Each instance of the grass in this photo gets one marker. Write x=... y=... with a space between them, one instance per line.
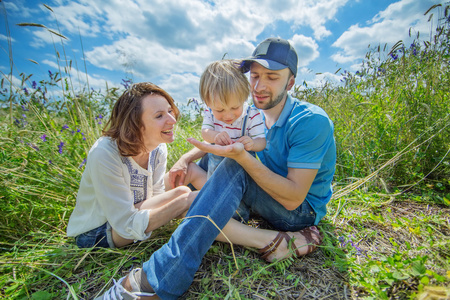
x=387 y=231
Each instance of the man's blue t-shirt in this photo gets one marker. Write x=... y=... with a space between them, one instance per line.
x=303 y=138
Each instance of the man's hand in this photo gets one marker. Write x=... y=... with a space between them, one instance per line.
x=223 y=138
x=234 y=151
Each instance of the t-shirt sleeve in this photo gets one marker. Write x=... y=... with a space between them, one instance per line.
x=114 y=196
x=208 y=119
x=255 y=124
x=309 y=142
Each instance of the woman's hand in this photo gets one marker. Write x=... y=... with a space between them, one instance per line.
x=178 y=172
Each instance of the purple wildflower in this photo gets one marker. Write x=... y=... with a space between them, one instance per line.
x=82 y=164
x=64 y=127
x=34 y=84
x=44 y=137
x=33 y=146
x=24 y=108
x=60 y=147
x=126 y=83
x=98 y=118
x=16 y=121
x=25 y=91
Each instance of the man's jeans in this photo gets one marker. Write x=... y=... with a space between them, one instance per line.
x=171 y=269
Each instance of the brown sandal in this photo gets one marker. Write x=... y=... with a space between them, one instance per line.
x=306 y=232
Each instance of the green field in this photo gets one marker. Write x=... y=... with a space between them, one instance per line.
x=387 y=231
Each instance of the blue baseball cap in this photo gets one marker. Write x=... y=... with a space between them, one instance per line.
x=273 y=54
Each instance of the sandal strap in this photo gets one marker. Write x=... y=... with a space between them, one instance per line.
x=310 y=241
x=307 y=233
x=273 y=246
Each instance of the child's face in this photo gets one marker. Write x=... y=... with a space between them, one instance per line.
x=228 y=113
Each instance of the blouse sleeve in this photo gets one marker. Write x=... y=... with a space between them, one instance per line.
x=160 y=164
x=114 y=195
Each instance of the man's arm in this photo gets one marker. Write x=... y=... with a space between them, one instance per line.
x=289 y=191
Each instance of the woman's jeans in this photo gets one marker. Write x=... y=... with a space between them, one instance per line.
x=171 y=269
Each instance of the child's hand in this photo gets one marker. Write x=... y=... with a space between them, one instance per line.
x=247 y=142
x=223 y=139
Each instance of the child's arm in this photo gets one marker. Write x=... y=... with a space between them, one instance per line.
x=208 y=135
x=257 y=144
x=216 y=137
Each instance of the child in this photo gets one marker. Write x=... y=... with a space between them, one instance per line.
x=229 y=119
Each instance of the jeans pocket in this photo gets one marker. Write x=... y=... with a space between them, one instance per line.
x=86 y=240
x=93 y=238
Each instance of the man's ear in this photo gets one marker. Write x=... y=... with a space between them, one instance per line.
x=291 y=82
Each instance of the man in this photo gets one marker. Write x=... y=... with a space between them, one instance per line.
x=289 y=186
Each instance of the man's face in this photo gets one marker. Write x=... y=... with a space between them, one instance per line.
x=269 y=87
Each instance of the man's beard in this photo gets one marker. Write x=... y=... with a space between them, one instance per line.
x=274 y=102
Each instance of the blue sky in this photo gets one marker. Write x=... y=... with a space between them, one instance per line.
x=170 y=42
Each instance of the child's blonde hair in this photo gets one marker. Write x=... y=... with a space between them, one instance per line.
x=222 y=80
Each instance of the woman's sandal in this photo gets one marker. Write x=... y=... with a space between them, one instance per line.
x=306 y=232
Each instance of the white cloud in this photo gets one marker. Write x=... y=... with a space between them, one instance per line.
x=323 y=78
x=171 y=41
x=50 y=63
x=6 y=38
x=387 y=27
x=306 y=48
x=315 y=14
x=18 y=7
x=42 y=37
x=181 y=87
x=161 y=37
x=78 y=17
x=80 y=79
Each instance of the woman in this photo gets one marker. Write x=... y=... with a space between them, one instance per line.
x=121 y=198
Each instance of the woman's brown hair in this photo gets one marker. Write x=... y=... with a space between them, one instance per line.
x=124 y=125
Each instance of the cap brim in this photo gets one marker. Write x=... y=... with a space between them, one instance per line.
x=266 y=63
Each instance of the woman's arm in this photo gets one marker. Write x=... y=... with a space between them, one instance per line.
x=177 y=174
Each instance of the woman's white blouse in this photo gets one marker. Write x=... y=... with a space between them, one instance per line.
x=110 y=186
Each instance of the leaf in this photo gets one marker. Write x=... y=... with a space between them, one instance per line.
x=418 y=268
x=399 y=276
x=425 y=280
x=41 y=295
